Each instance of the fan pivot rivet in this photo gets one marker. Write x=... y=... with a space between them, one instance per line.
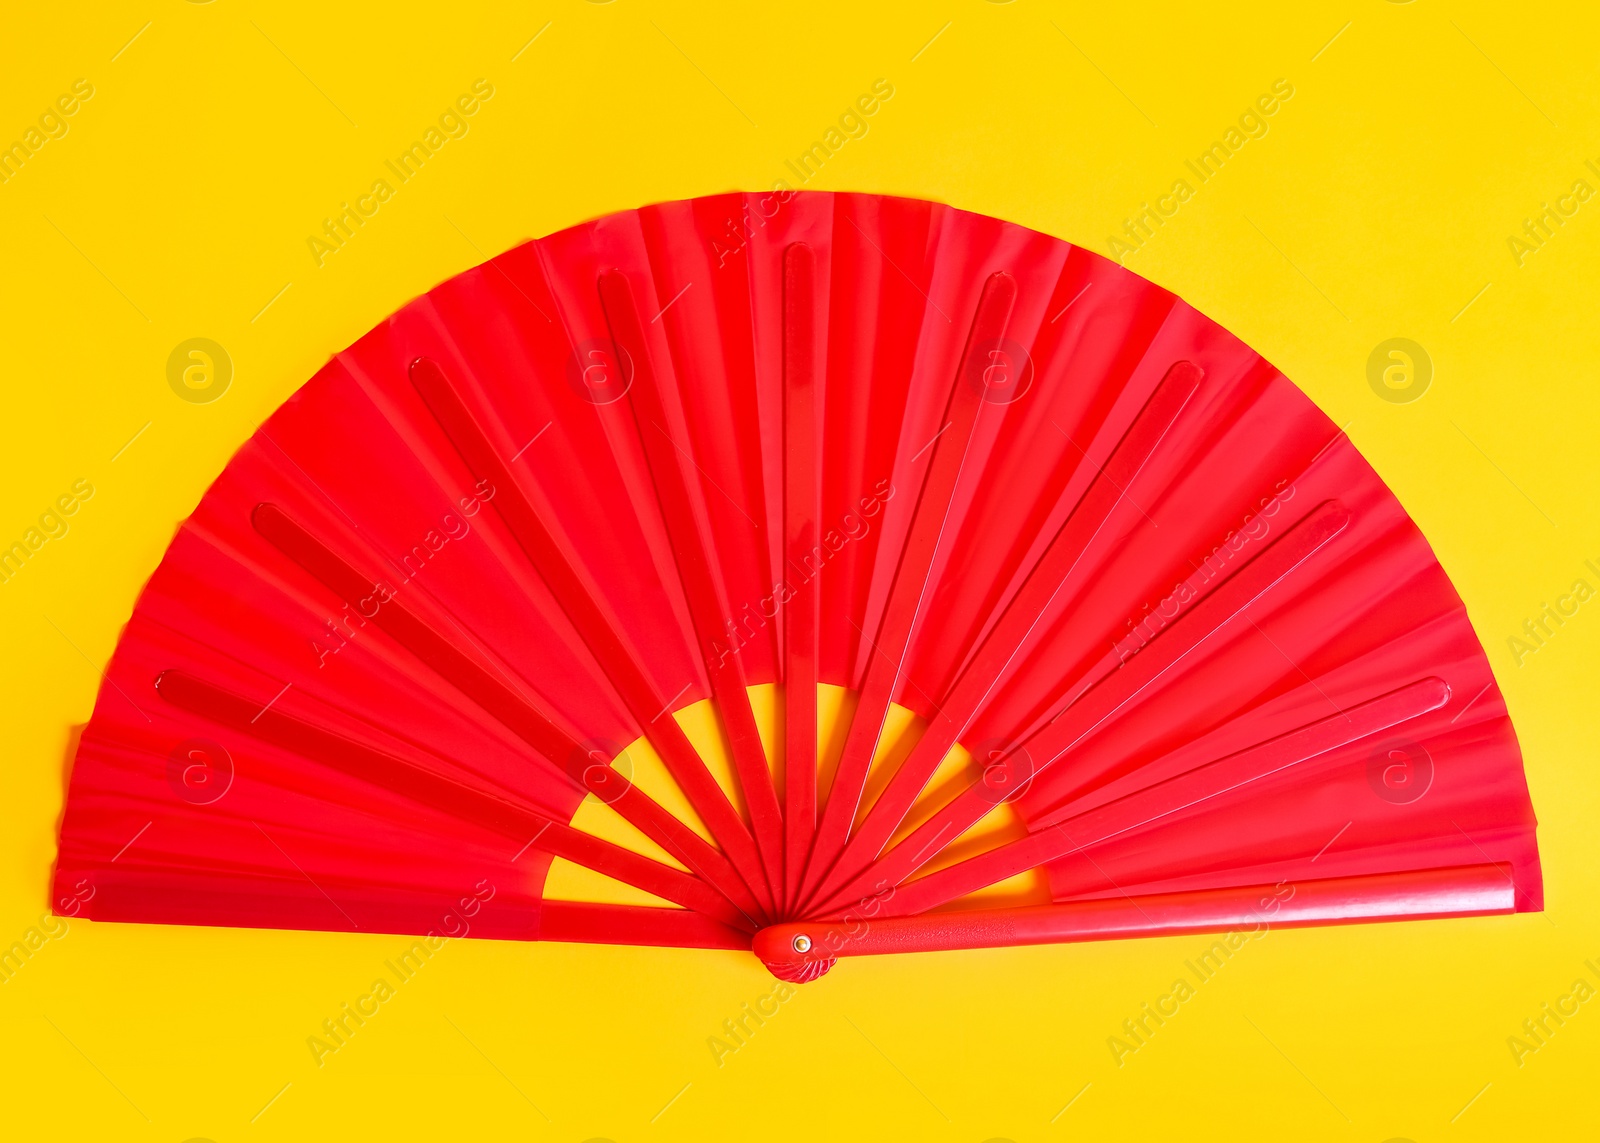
x=802 y=943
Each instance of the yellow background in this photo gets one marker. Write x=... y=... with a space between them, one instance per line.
x=1379 y=205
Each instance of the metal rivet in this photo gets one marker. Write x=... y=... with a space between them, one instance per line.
x=802 y=943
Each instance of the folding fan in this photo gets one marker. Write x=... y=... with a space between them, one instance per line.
x=819 y=574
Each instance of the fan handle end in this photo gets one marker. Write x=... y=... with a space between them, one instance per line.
x=793 y=952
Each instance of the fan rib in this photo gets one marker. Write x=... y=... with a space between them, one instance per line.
x=702 y=586
x=888 y=660
x=1456 y=891
x=1004 y=642
x=548 y=740
x=1111 y=694
x=802 y=489
x=609 y=647
x=438 y=792
x=143 y=895
x=1056 y=837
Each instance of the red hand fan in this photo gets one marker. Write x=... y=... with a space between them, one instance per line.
x=828 y=574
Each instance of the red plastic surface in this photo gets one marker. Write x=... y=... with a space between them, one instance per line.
x=802 y=554
x=806 y=949
x=1189 y=638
